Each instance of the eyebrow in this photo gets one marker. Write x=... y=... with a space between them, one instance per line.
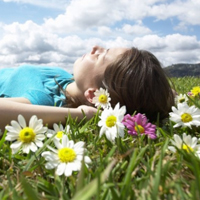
x=105 y=54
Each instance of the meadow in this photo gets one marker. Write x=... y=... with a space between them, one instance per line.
x=131 y=167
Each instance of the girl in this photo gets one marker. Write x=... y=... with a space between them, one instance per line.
x=133 y=78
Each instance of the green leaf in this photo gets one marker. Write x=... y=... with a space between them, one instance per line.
x=28 y=190
x=156 y=180
x=81 y=176
x=90 y=190
x=3 y=139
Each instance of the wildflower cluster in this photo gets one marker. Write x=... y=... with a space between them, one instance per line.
x=186 y=142
x=133 y=149
x=66 y=159
x=185 y=114
x=113 y=121
x=67 y=156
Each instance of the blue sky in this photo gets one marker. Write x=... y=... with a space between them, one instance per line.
x=57 y=32
x=21 y=12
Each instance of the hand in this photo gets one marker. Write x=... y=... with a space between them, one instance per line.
x=88 y=110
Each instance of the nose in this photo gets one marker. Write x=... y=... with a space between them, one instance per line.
x=97 y=48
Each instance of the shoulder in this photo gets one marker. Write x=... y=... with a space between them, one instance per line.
x=45 y=70
x=57 y=70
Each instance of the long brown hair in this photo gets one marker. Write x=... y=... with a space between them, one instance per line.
x=137 y=80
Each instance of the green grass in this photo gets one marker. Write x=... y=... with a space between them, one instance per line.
x=185 y=84
x=133 y=168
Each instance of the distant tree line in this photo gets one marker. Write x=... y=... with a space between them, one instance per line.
x=181 y=70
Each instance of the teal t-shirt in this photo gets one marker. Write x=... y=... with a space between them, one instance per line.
x=36 y=83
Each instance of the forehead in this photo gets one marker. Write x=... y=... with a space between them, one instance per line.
x=113 y=53
x=117 y=51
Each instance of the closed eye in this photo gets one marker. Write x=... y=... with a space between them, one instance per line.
x=98 y=54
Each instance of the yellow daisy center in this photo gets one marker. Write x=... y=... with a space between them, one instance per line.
x=186 y=117
x=111 y=121
x=181 y=100
x=66 y=155
x=195 y=91
x=139 y=129
x=103 y=98
x=59 y=134
x=187 y=148
x=27 y=135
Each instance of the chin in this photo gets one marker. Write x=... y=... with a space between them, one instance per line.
x=76 y=62
x=76 y=65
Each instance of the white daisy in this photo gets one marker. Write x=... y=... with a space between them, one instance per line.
x=188 y=144
x=111 y=122
x=28 y=137
x=59 y=130
x=66 y=158
x=101 y=98
x=185 y=115
x=181 y=98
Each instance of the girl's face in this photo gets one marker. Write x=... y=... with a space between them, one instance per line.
x=89 y=66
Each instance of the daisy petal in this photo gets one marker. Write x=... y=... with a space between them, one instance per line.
x=21 y=121
x=60 y=169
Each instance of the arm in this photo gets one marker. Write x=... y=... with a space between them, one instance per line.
x=18 y=99
x=11 y=108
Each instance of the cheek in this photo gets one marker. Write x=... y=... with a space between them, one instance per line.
x=77 y=62
x=83 y=62
x=79 y=67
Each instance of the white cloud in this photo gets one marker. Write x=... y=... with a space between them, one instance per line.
x=104 y=30
x=150 y=42
x=85 y=23
x=186 y=11
x=171 y=49
x=85 y=14
x=136 y=29
x=183 y=43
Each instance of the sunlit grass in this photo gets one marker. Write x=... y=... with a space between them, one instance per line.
x=132 y=168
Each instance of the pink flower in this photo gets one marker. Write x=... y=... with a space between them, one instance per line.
x=190 y=94
x=138 y=124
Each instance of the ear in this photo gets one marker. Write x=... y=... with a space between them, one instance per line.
x=89 y=94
